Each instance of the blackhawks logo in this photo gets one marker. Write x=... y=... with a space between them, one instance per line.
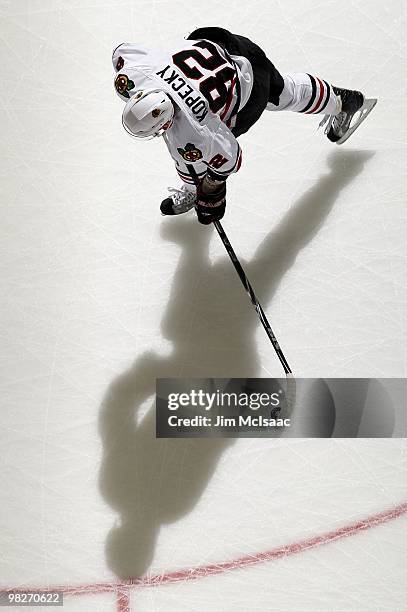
x=190 y=153
x=123 y=85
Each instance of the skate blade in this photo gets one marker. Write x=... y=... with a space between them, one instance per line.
x=367 y=107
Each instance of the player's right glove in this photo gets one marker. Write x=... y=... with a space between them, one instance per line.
x=210 y=206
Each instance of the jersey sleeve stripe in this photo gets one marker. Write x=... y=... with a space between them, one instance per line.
x=187 y=174
x=187 y=177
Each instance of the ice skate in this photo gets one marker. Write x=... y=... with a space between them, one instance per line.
x=181 y=200
x=339 y=126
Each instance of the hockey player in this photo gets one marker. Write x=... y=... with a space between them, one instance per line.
x=204 y=94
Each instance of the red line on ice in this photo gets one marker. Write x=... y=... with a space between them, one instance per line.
x=122 y=589
x=123 y=599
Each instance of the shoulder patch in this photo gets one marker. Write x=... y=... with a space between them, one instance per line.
x=191 y=153
x=123 y=85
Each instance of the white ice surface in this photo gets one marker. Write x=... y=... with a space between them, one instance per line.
x=101 y=295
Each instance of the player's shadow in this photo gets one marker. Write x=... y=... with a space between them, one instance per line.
x=211 y=324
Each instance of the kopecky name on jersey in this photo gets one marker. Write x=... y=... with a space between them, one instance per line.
x=196 y=103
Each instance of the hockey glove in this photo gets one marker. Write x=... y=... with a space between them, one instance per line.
x=210 y=206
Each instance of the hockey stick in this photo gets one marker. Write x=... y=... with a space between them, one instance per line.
x=247 y=286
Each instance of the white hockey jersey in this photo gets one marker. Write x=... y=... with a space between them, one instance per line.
x=208 y=88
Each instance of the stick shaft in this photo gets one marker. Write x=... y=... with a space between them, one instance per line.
x=250 y=292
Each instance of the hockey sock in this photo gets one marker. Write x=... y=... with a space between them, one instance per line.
x=305 y=93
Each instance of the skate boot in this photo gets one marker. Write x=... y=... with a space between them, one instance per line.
x=339 y=126
x=180 y=201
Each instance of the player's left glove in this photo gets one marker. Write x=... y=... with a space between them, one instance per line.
x=210 y=206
